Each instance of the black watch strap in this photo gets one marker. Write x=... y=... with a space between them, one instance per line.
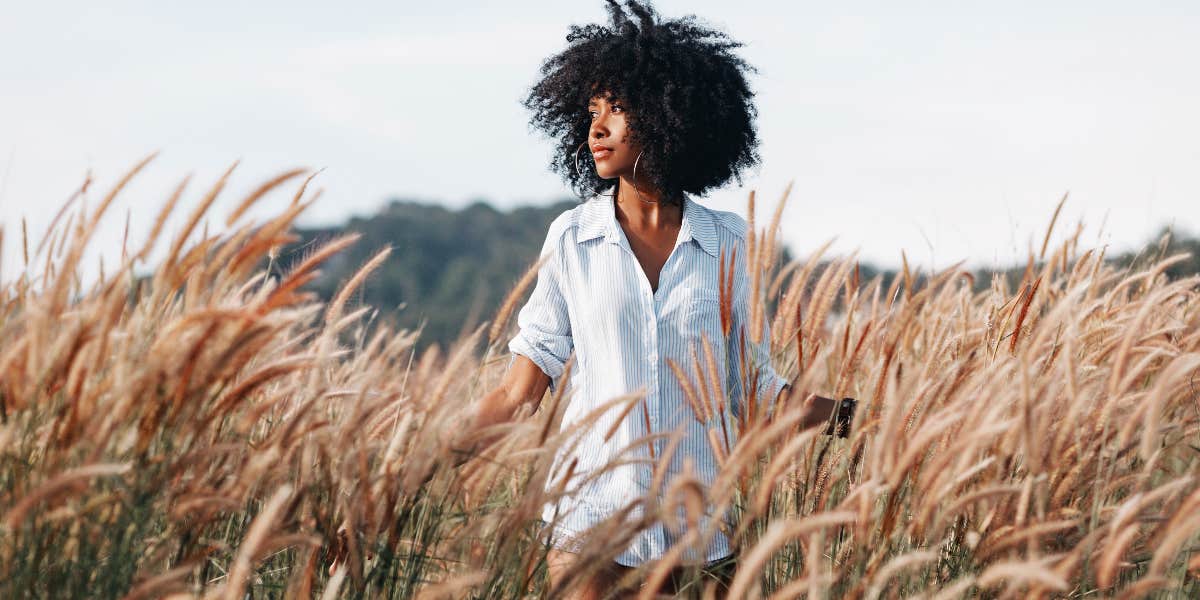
x=845 y=417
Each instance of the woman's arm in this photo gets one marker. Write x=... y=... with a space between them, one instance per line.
x=524 y=383
x=540 y=350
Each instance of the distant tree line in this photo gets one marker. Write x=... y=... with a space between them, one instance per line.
x=449 y=270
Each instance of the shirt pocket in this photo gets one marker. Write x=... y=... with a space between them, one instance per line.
x=701 y=303
x=701 y=318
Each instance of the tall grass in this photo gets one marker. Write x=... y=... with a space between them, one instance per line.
x=213 y=430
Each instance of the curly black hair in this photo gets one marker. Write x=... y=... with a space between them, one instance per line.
x=688 y=103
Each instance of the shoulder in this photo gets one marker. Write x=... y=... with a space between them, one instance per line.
x=731 y=223
x=563 y=226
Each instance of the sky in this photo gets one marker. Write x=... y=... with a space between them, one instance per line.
x=946 y=130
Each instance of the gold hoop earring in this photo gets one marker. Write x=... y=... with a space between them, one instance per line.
x=633 y=180
x=579 y=171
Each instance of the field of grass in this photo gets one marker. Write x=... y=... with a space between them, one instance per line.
x=207 y=432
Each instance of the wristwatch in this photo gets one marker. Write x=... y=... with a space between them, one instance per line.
x=844 y=418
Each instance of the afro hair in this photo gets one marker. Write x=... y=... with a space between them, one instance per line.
x=689 y=106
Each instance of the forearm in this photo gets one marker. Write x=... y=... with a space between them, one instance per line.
x=494 y=408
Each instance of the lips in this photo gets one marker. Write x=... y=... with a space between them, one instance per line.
x=599 y=151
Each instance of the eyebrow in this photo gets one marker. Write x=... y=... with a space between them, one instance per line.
x=592 y=103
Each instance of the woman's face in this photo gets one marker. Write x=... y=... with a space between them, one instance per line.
x=609 y=139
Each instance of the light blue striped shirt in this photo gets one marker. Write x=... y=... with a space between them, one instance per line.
x=593 y=299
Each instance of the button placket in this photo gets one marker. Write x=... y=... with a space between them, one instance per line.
x=652 y=322
x=652 y=356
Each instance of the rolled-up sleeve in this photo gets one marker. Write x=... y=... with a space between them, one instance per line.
x=758 y=356
x=544 y=326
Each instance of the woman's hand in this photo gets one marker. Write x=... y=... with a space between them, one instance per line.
x=838 y=415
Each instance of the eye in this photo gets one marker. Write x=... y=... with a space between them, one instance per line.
x=618 y=108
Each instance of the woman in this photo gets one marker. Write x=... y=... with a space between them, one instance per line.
x=631 y=281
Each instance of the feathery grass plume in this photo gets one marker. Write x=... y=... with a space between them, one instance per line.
x=663 y=567
x=53 y=226
x=792 y=304
x=259 y=529
x=704 y=393
x=699 y=411
x=1028 y=293
x=895 y=566
x=1014 y=572
x=752 y=258
x=1050 y=227
x=59 y=293
x=198 y=213
x=59 y=483
x=25 y=242
x=304 y=273
x=124 y=238
x=646 y=424
x=823 y=297
x=726 y=290
x=334 y=312
x=714 y=374
x=259 y=192
x=167 y=208
x=265 y=240
x=770 y=248
x=779 y=533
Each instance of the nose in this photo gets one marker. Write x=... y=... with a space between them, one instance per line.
x=599 y=127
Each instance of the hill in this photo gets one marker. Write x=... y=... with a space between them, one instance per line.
x=450 y=269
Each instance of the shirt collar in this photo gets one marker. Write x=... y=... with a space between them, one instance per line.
x=599 y=219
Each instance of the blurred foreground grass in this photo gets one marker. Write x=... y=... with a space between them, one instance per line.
x=208 y=432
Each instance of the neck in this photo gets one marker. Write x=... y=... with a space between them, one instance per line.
x=645 y=207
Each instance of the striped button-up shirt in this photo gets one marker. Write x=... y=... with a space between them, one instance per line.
x=593 y=299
